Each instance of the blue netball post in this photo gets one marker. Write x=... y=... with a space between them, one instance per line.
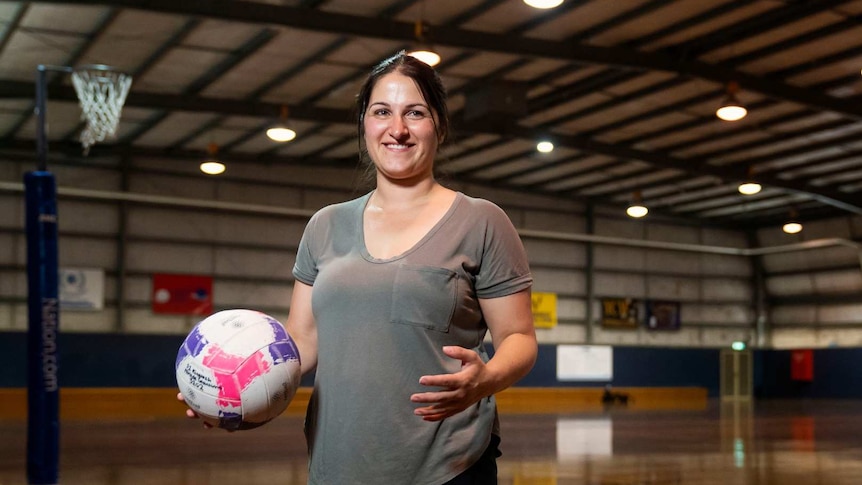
x=101 y=92
x=43 y=427
x=43 y=324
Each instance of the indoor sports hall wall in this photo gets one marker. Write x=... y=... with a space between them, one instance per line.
x=163 y=216
x=111 y=360
x=815 y=296
x=136 y=217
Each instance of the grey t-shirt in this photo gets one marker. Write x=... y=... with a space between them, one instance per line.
x=381 y=325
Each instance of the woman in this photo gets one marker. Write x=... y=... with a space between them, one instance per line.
x=405 y=282
x=394 y=294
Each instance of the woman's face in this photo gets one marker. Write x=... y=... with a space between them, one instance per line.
x=400 y=129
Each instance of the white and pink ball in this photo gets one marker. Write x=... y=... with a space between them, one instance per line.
x=238 y=369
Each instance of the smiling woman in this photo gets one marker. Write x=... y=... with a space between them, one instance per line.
x=400 y=131
x=394 y=294
x=431 y=95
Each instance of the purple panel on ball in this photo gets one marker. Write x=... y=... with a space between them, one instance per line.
x=280 y=333
x=196 y=341
x=283 y=351
x=231 y=421
x=192 y=345
x=182 y=354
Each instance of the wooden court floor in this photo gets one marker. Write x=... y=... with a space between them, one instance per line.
x=772 y=442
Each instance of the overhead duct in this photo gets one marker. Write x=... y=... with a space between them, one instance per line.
x=159 y=200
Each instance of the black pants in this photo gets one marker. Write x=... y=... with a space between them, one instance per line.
x=484 y=471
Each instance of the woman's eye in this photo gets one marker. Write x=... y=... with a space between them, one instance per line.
x=415 y=114
x=380 y=112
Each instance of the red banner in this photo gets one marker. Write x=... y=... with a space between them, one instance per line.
x=802 y=365
x=182 y=294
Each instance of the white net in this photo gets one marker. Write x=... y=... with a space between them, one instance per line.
x=101 y=93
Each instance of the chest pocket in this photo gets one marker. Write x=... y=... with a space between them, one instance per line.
x=424 y=296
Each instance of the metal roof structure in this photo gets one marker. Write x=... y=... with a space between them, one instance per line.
x=626 y=91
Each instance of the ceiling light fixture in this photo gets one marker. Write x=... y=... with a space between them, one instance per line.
x=749 y=187
x=731 y=109
x=545 y=147
x=212 y=166
x=544 y=4
x=636 y=209
x=426 y=55
x=280 y=132
x=423 y=51
x=792 y=226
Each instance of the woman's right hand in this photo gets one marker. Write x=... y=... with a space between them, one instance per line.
x=189 y=412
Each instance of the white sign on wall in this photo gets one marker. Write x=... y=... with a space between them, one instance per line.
x=585 y=363
x=577 y=438
x=82 y=289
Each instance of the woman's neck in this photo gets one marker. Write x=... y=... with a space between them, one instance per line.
x=393 y=196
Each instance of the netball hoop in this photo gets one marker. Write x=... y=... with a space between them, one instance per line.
x=102 y=93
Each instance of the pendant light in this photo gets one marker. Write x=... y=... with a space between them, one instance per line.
x=544 y=4
x=211 y=165
x=280 y=131
x=423 y=50
x=636 y=209
x=731 y=109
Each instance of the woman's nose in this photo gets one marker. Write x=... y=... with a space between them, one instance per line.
x=398 y=129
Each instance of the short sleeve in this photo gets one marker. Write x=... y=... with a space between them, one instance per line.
x=504 y=267
x=305 y=269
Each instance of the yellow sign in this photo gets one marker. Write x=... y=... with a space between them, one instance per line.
x=619 y=313
x=544 y=310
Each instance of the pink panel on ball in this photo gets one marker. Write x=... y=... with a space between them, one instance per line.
x=220 y=361
x=253 y=367
x=231 y=384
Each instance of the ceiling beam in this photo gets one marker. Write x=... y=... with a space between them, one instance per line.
x=72 y=150
x=843 y=201
x=375 y=27
x=847 y=202
x=252 y=45
x=10 y=89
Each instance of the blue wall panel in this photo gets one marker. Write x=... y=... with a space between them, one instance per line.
x=98 y=360
x=112 y=360
x=835 y=375
x=639 y=367
x=667 y=367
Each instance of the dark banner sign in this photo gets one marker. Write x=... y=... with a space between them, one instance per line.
x=662 y=315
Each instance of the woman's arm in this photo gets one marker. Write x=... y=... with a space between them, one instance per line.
x=301 y=325
x=510 y=322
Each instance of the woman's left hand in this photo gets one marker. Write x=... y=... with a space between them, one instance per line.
x=458 y=391
x=510 y=322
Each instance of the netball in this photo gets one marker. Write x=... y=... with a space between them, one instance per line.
x=238 y=369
